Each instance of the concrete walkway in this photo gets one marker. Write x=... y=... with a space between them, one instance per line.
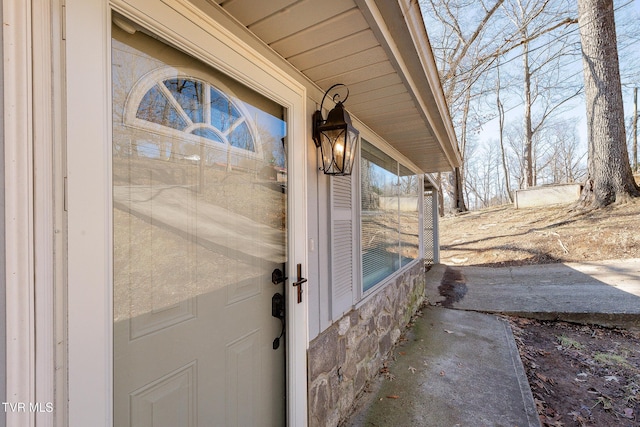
x=599 y=292
x=460 y=366
x=455 y=369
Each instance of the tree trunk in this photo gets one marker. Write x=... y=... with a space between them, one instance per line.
x=505 y=167
x=528 y=131
x=459 y=204
x=635 y=129
x=609 y=177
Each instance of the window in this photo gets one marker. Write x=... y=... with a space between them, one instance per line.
x=192 y=115
x=389 y=215
x=389 y=220
x=198 y=108
x=408 y=215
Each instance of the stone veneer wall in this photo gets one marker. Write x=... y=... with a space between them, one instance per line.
x=344 y=357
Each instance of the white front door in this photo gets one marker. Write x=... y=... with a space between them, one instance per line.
x=180 y=209
x=199 y=225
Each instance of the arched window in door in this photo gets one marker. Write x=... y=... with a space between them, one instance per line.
x=199 y=116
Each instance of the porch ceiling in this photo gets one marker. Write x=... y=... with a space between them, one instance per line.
x=380 y=50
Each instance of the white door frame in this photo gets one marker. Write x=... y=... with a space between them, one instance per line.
x=33 y=212
x=19 y=193
x=89 y=180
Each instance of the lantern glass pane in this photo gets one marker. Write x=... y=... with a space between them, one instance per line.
x=352 y=143
x=339 y=143
x=325 y=149
x=332 y=146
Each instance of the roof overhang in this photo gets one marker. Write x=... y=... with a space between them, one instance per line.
x=380 y=50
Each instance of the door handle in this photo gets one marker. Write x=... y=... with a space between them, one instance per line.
x=277 y=306
x=277 y=277
x=299 y=283
x=277 y=310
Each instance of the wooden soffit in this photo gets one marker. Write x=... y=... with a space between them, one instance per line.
x=380 y=50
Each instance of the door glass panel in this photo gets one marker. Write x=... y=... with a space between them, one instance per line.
x=189 y=94
x=156 y=108
x=199 y=225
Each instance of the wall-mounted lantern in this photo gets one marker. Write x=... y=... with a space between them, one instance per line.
x=336 y=137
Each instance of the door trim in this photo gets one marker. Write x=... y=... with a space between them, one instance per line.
x=89 y=212
x=33 y=220
x=88 y=280
x=18 y=209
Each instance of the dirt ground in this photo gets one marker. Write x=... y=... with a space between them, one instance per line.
x=579 y=375
x=504 y=236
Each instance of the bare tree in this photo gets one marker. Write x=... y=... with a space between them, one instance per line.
x=471 y=39
x=540 y=21
x=464 y=51
x=628 y=38
x=634 y=138
x=514 y=139
x=565 y=157
x=609 y=177
x=484 y=184
x=500 y=108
